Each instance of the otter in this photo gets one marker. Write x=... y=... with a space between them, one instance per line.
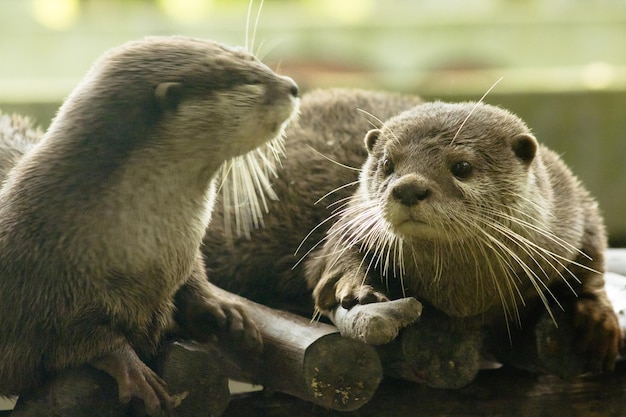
x=456 y=205
x=459 y=206
x=267 y=271
x=102 y=220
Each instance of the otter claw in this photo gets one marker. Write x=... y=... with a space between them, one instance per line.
x=135 y=379
x=364 y=294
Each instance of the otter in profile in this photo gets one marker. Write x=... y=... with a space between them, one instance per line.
x=102 y=220
x=459 y=206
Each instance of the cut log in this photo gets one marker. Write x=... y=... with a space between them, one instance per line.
x=494 y=393
x=195 y=380
x=309 y=360
x=195 y=377
x=376 y=323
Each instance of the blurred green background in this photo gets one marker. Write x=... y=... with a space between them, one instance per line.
x=563 y=62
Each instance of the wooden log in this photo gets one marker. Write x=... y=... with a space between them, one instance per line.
x=440 y=355
x=309 y=360
x=435 y=352
x=77 y=392
x=503 y=392
x=376 y=323
x=195 y=379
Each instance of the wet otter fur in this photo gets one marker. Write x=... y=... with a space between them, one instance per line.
x=101 y=221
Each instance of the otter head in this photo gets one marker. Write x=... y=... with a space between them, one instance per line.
x=199 y=101
x=439 y=171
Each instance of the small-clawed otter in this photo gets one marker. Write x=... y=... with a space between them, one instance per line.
x=459 y=206
x=101 y=222
x=463 y=211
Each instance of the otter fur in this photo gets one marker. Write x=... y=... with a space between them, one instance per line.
x=457 y=205
x=102 y=220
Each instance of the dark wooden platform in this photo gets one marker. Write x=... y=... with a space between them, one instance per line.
x=502 y=392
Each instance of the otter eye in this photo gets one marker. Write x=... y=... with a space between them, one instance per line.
x=462 y=170
x=387 y=166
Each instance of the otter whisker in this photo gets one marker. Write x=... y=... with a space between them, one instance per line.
x=478 y=251
x=247 y=45
x=534 y=279
x=342 y=202
x=326 y=220
x=332 y=160
x=377 y=246
x=532 y=250
x=556 y=240
x=474 y=109
x=350 y=184
x=249 y=42
x=544 y=232
x=379 y=121
x=256 y=24
x=512 y=288
x=357 y=213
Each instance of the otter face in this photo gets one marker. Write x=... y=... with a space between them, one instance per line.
x=437 y=174
x=197 y=99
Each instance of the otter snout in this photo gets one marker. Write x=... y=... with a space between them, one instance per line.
x=279 y=87
x=292 y=86
x=411 y=191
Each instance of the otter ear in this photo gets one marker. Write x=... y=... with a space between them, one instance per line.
x=168 y=95
x=370 y=139
x=525 y=147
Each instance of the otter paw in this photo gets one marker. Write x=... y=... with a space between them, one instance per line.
x=135 y=380
x=598 y=334
x=364 y=294
x=234 y=321
x=586 y=338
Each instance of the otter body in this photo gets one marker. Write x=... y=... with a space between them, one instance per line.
x=101 y=222
x=329 y=123
x=456 y=205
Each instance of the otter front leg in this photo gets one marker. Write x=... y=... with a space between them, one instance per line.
x=357 y=308
x=202 y=314
x=346 y=289
x=135 y=379
x=588 y=336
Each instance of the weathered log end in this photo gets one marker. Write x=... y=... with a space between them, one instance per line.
x=195 y=379
x=341 y=374
x=376 y=323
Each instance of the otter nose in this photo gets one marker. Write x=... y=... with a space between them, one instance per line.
x=294 y=89
x=410 y=193
x=292 y=86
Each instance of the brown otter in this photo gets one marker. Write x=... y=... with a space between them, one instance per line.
x=101 y=222
x=327 y=129
x=460 y=207
x=509 y=223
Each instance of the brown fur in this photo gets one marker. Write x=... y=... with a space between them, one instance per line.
x=18 y=134
x=101 y=222
x=328 y=129
x=454 y=252
x=436 y=269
